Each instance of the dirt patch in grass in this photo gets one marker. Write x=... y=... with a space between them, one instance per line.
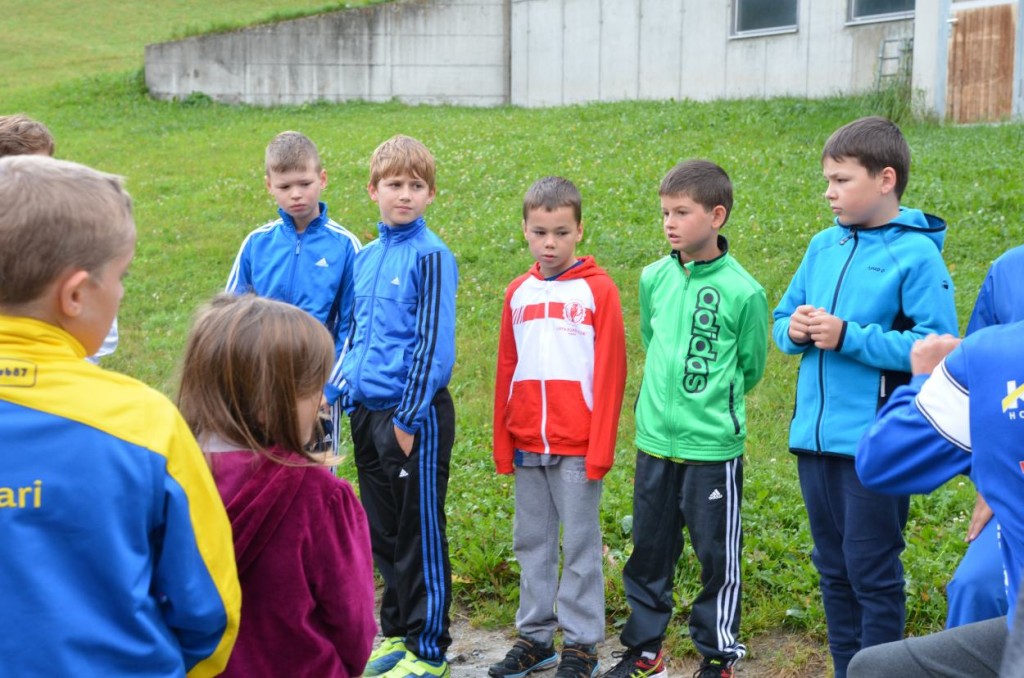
x=778 y=654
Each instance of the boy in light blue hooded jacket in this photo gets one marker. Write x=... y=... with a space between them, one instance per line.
x=867 y=288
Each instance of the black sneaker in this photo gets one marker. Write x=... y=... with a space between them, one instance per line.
x=632 y=664
x=714 y=668
x=525 y=657
x=578 y=661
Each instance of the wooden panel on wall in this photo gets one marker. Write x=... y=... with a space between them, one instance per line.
x=981 y=56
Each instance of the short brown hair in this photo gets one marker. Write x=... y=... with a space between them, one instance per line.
x=402 y=155
x=702 y=181
x=551 y=193
x=291 y=152
x=248 y=361
x=876 y=143
x=57 y=215
x=21 y=135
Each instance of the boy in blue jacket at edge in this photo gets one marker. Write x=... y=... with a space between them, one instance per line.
x=393 y=382
x=117 y=550
x=867 y=288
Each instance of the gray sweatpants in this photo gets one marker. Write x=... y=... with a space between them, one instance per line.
x=1013 y=655
x=548 y=497
x=969 y=651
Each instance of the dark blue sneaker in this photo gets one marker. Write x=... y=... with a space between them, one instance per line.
x=524 y=658
x=578 y=661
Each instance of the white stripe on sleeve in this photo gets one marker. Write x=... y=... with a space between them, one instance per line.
x=944 y=402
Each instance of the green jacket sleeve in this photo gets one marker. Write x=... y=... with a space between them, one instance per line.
x=752 y=346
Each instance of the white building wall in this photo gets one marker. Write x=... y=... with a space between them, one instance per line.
x=587 y=50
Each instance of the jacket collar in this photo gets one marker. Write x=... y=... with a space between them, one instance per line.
x=320 y=220
x=707 y=265
x=28 y=336
x=400 y=233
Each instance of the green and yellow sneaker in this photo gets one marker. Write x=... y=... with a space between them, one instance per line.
x=412 y=666
x=385 y=657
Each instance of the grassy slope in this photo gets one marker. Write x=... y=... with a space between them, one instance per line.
x=195 y=171
x=57 y=39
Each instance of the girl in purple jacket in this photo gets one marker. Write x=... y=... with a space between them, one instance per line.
x=251 y=386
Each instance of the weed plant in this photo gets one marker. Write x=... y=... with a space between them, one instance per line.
x=195 y=171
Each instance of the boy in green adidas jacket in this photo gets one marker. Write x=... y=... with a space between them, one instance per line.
x=704 y=323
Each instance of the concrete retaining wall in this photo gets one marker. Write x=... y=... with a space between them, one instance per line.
x=418 y=51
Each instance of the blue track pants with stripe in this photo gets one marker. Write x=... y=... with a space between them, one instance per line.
x=404 y=499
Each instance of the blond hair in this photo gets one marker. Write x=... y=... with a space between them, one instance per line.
x=402 y=155
x=57 y=216
x=21 y=135
x=291 y=152
x=248 y=361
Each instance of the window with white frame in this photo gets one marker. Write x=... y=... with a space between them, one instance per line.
x=866 y=10
x=763 y=16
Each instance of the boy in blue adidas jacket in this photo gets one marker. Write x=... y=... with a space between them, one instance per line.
x=393 y=381
x=117 y=550
x=867 y=288
x=303 y=258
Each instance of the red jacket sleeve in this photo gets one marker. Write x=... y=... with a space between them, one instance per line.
x=507 y=359
x=609 y=376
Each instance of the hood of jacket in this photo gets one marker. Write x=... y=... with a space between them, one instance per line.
x=260 y=503
x=585 y=267
x=909 y=220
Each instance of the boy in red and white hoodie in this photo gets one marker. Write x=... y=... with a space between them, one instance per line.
x=557 y=396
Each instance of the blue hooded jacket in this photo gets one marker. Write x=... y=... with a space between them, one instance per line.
x=402 y=347
x=999 y=301
x=890 y=286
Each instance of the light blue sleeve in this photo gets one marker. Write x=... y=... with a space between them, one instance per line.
x=796 y=295
x=341 y=330
x=240 y=276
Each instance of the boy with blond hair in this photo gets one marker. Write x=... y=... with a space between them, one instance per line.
x=21 y=135
x=704 y=323
x=118 y=556
x=393 y=382
x=557 y=397
x=867 y=288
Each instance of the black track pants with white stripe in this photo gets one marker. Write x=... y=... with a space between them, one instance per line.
x=705 y=499
x=404 y=499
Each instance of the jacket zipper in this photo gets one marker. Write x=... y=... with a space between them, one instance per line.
x=373 y=305
x=821 y=354
x=544 y=370
x=291 y=277
x=732 y=409
x=676 y=383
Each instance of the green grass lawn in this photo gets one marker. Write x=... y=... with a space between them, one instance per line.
x=195 y=171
